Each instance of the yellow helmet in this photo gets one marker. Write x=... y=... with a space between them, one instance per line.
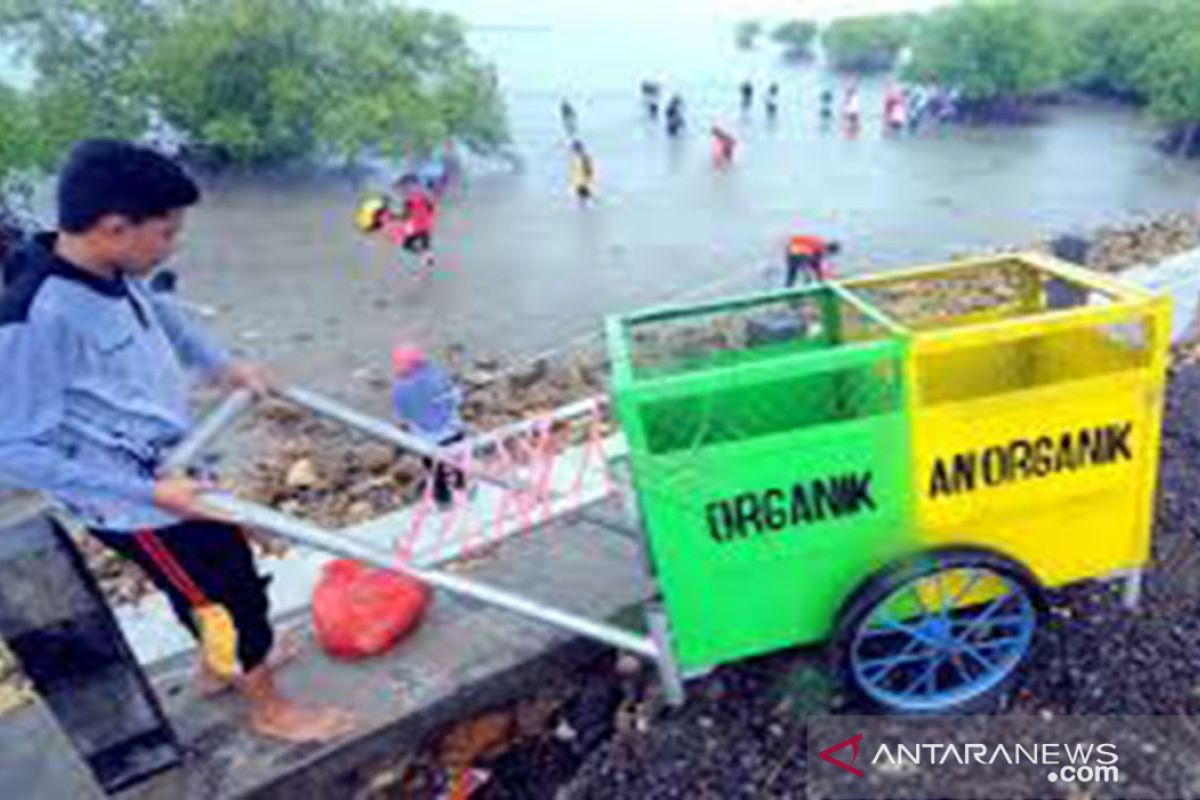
x=368 y=218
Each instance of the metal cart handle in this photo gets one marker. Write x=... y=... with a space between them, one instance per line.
x=306 y=534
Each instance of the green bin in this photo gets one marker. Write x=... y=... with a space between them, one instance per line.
x=769 y=448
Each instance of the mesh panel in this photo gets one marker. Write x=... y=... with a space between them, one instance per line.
x=1005 y=289
x=783 y=391
x=994 y=368
x=742 y=410
x=672 y=344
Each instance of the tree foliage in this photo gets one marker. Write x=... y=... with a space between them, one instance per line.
x=19 y=146
x=747 y=33
x=997 y=51
x=263 y=81
x=990 y=50
x=796 y=37
x=1170 y=76
x=1145 y=52
x=867 y=44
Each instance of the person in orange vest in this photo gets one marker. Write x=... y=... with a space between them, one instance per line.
x=807 y=254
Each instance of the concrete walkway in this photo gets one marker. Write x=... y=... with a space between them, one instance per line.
x=463 y=659
x=37 y=761
x=577 y=480
x=1178 y=277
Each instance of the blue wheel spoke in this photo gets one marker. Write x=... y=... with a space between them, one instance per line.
x=885 y=608
x=995 y=643
x=883 y=616
x=914 y=633
x=963 y=678
x=970 y=585
x=941 y=594
x=977 y=632
x=975 y=654
x=1001 y=645
x=924 y=677
x=991 y=609
x=902 y=662
x=931 y=674
x=889 y=662
x=914 y=590
x=905 y=651
x=992 y=622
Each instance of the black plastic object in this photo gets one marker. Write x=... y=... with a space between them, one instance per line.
x=1070 y=247
x=774 y=328
x=59 y=627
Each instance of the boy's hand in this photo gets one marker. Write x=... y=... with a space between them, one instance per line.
x=181 y=496
x=248 y=375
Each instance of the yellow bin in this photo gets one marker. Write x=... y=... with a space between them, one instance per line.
x=1036 y=402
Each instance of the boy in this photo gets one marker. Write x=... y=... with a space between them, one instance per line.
x=95 y=395
x=425 y=399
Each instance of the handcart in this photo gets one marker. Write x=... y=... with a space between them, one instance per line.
x=895 y=465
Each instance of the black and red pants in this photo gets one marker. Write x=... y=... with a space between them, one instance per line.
x=201 y=562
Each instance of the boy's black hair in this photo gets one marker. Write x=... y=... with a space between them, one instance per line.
x=107 y=176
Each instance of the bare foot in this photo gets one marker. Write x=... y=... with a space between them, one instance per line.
x=209 y=684
x=280 y=719
x=287 y=649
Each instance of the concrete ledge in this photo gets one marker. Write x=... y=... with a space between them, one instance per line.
x=37 y=761
x=464 y=658
x=432 y=537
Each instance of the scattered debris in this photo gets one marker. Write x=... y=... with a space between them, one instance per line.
x=483 y=737
x=14 y=689
x=1115 y=248
x=564 y=732
x=628 y=665
x=302 y=475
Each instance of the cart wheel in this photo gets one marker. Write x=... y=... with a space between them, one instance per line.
x=945 y=631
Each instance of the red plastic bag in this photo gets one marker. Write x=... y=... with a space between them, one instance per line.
x=360 y=611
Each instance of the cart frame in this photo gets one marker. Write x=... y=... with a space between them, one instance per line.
x=654 y=646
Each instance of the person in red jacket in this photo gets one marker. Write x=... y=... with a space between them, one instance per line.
x=807 y=254
x=413 y=228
